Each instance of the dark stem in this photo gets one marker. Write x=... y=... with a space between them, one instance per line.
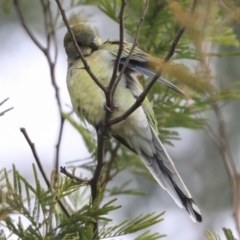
x=94 y=182
x=22 y=21
x=109 y=99
x=72 y=176
x=132 y=48
x=38 y=161
x=229 y=162
x=108 y=176
x=50 y=35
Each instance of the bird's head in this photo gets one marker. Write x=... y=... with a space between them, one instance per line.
x=86 y=39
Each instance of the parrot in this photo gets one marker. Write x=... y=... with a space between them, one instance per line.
x=138 y=132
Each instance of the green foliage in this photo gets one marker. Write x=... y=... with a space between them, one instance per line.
x=214 y=236
x=228 y=234
x=6 y=6
x=135 y=225
x=45 y=219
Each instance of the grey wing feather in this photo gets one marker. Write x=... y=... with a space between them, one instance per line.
x=150 y=72
x=140 y=62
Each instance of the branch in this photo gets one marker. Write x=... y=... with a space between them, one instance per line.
x=3 y=112
x=222 y=143
x=231 y=167
x=50 y=35
x=109 y=99
x=38 y=161
x=70 y=175
x=86 y=66
x=179 y=34
x=30 y=34
x=132 y=48
x=143 y=95
x=108 y=176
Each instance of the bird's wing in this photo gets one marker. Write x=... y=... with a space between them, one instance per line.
x=139 y=62
x=141 y=138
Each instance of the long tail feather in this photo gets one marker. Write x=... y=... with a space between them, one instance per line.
x=164 y=171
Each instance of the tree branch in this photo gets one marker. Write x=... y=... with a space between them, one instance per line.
x=121 y=44
x=38 y=161
x=108 y=176
x=22 y=21
x=109 y=97
x=132 y=48
x=50 y=35
x=222 y=143
x=231 y=167
x=70 y=175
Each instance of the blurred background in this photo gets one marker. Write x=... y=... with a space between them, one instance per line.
x=25 y=80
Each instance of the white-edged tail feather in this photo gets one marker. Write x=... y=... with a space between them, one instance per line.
x=164 y=171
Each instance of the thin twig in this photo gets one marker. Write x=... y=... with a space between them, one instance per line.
x=108 y=176
x=6 y=99
x=58 y=145
x=38 y=161
x=100 y=163
x=70 y=175
x=213 y=135
x=230 y=164
x=86 y=66
x=5 y=111
x=30 y=34
x=132 y=48
x=50 y=35
x=109 y=99
x=34 y=152
x=94 y=182
x=143 y=95
x=52 y=65
x=222 y=143
x=179 y=34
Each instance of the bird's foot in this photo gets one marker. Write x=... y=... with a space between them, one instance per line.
x=106 y=108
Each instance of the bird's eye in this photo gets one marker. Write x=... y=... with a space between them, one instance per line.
x=79 y=44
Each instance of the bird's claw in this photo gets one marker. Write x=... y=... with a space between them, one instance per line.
x=106 y=108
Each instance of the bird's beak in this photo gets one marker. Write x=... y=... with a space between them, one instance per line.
x=95 y=44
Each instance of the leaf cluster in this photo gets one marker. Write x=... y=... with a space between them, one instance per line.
x=39 y=216
x=214 y=236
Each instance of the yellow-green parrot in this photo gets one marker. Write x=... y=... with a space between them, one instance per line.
x=138 y=132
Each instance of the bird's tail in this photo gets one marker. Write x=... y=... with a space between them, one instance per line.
x=164 y=171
